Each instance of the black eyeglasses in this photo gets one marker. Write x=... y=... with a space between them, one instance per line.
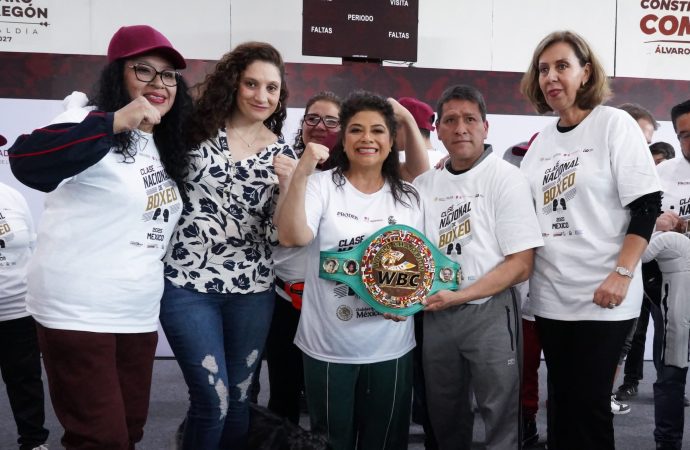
x=328 y=121
x=147 y=73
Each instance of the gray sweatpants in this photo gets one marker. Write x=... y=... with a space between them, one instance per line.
x=478 y=346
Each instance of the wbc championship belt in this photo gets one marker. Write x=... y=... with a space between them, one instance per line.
x=393 y=270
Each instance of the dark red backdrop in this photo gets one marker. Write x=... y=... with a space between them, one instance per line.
x=53 y=76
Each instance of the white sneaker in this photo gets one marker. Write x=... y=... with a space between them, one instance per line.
x=618 y=407
x=41 y=447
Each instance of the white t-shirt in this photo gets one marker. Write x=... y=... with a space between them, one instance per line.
x=289 y=265
x=581 y=181
x=675 y=179
x=17 y=239
x=478 y=217
x=336 y=325
x=103 y=233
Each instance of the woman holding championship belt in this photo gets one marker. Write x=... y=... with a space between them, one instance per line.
x=597 y=196
x=358 y=366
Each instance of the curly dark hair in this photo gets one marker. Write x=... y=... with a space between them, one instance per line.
x=217 y=100
x=326 y=96
x=367 y=101
x=110 y=94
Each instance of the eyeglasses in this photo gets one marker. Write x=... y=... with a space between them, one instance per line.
x=147 y=73
x=684 y=136
x=328 y=121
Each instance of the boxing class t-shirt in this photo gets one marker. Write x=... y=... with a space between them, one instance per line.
x=103 y=233
x=581 y=181
x=336 y=325
x=480 y=216
x=17 y=239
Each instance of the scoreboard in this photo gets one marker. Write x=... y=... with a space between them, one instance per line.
x=371 y=29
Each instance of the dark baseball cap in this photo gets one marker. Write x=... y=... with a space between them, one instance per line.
x=138 y=39
x=423 y=114
x=522 y=147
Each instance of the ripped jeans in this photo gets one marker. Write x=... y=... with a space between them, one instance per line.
x=217 y=340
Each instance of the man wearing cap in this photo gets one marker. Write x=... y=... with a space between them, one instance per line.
x=424 y=117
x=478 y=210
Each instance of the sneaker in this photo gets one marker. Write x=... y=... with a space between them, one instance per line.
x=626 y=392
x=41 y=447
x=618 y=407
x=529 y=432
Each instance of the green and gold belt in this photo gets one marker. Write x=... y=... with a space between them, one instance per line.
x=393 y=270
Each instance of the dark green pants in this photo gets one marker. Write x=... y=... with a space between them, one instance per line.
x=363 y=406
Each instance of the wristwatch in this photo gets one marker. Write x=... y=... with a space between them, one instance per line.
x=620 y=270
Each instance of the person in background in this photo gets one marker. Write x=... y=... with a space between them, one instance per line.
x=95 y=280
x=20 y=358
x=424 y=118
x=661 y=151
x=478 y=211
x=633 y=348
x=357 y=364
x=218 y=297
x=531 y=347
x=670 y=334
x=644 y=118
x=586 y=288
x=320 y=125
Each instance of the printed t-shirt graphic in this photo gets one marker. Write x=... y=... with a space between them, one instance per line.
x=455 y=227
x=336 y=325
x=597 y=169
x=675 y=179
x=559 y=187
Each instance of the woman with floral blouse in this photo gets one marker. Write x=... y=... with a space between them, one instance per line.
x=218 y=300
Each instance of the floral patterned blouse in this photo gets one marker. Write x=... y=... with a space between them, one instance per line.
x=224 y=238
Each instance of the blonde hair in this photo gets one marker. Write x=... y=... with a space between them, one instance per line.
x=595 y=92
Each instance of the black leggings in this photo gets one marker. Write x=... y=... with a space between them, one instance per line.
x=581 y=359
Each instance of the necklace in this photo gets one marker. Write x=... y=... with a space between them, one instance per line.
x=248 y=144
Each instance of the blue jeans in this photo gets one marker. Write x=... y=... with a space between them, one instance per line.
x=217 y=340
